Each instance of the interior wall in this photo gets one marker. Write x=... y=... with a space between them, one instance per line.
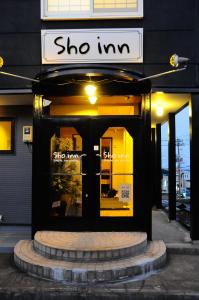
x=91 y=110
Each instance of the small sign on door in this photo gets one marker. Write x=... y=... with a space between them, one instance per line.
x=125 y=192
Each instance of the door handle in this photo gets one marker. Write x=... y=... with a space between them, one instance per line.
x=99 y=173
x=81 y=157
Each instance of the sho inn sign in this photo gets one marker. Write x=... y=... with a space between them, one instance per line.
x=92 y=46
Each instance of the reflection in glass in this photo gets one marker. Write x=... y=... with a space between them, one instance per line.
x=66 y=179
x=116 y=176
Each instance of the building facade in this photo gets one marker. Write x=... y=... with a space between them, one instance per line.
x=52 y=42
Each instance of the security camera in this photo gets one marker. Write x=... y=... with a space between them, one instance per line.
x=176 y=60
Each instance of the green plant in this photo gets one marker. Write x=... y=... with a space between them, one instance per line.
x=64 y=182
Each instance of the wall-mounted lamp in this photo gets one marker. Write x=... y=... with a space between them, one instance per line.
x=1 y=62
x=2 y=219
x=176 y=60
x=159 y=111
x=46 y=102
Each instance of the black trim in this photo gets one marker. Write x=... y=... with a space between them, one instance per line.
x=114 y=80
x=172 y=167
x=158 y=196
x=91 y=129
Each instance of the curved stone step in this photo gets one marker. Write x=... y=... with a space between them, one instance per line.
x=35 y=264
x=89 y=246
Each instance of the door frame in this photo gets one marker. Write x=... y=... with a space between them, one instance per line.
x=91 y=220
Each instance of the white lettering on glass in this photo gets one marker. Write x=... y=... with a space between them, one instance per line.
x=58 y=156
x=115 y=156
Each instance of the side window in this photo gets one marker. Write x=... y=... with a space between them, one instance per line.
x=91 y=9
x=7 y=135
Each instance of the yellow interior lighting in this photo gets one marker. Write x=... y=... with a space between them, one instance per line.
x=92 y=99
x=5 y=135
x=159 y=111
x=90 y=90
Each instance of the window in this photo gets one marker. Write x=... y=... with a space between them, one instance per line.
x=66 y=173
x=116 y=176
x=88 y=9
x=6 y=135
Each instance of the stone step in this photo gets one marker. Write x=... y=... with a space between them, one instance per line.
x=89 y=246
x=28 y=260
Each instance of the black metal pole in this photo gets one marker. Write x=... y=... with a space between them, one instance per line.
x=153 y=166
x=147 y=180
x=158 y=170
x=172 y=167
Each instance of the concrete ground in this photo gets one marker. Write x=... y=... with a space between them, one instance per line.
x=170 y=232
x=10 y=235
x=178 y=280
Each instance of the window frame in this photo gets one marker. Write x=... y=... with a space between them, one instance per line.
x=12 y=120
x=45 y=15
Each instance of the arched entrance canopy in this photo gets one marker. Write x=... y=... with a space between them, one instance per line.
x=68 y=80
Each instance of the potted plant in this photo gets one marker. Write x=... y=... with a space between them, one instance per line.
x=66 y=187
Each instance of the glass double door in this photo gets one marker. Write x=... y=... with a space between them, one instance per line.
x=87 y=166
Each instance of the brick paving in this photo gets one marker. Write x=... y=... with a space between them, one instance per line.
x=90 y=246
x=90 y=264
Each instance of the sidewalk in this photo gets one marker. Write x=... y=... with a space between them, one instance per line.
x=178 y=280
x=175 y=236
x=172 y=233
x=10 y=235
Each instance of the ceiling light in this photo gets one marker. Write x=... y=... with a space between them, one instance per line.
x=92 y=99
x=159 y=111
x=90 y=89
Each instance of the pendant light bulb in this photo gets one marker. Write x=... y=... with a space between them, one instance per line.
x=92 y=99
x=90 y=89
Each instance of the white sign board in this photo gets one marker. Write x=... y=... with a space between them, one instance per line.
x=92 y=46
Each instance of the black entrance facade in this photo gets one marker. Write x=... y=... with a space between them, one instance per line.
x=91 y=173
